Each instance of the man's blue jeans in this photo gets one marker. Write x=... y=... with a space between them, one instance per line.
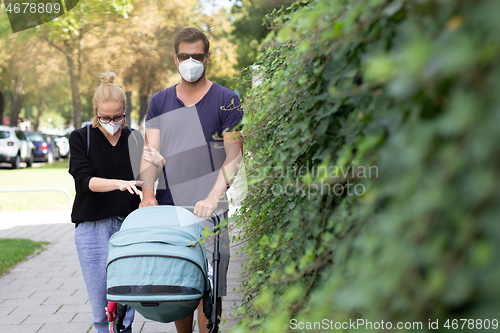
x=91 y=239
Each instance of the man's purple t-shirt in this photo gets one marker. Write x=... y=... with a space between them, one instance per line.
x=191 y=141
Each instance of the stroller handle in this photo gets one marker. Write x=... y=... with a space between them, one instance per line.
x=212 y=321
x=215 y=217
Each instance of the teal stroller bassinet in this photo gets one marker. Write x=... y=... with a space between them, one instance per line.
x=157 y=266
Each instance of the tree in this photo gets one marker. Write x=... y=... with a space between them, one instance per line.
x=15 y=51
x=223 y=62
x=67 y=35
x=15 y=55
x=2 y=105
x=31 y=69
x=251 y=24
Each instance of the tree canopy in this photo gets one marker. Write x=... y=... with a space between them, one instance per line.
x=132 y=39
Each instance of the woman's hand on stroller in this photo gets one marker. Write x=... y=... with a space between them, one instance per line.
x=205 y=208
x=129 y=185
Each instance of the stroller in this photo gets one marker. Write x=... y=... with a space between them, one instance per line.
x=157 y=266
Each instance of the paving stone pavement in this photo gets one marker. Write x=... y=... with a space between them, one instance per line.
x=47 y=294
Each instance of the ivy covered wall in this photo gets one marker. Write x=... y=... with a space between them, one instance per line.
x=373 y=158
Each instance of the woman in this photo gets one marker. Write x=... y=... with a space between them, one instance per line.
x=106 y=191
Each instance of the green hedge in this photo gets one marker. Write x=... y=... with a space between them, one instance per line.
x=373 y=155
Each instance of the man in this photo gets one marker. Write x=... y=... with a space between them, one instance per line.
x=192 y=135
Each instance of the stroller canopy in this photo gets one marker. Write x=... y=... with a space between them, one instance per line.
x=156 y=263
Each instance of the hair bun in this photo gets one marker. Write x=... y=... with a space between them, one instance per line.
x=107 y=78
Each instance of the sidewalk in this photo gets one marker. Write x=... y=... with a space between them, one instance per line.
x=46 y=293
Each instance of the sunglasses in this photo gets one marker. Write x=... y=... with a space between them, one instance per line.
x=106 y=120
x=196 y=56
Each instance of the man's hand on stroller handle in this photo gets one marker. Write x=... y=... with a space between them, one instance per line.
x=148 y=198
x=205 y=208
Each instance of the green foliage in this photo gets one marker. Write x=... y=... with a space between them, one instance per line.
x=4 y=22
x=252 y=21
x=14 y=250
x=248 y=30
x=373 y=158
x=85 y=16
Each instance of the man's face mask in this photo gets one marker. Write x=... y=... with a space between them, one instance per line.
x=190 y=69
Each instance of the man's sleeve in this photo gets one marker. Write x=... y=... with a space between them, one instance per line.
x=232 y=114
x=152 y=119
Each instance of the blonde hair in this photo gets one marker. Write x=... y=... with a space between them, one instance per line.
x=108 y=92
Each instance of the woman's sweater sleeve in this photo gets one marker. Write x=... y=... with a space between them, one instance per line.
x=79 y=163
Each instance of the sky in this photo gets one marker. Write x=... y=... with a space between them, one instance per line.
x=212 y=5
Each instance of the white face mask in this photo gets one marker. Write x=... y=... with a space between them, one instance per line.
x=191 y=70
x=112 y=128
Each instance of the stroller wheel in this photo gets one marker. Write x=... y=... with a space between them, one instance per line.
x=116 y=329
x=117 y=325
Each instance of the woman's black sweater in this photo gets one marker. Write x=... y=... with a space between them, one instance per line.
x=104 y=161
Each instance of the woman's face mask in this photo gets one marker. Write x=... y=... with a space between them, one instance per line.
x=112 y=128
x=191 y=70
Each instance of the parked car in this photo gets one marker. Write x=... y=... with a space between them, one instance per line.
x=85 y=123
x=45 y=149
x=15 y=147
x=62 y=143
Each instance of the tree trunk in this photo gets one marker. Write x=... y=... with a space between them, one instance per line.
x=128 y=117
x=75 y=91
x=41 y=107
x=143 y=107
x=16 y=101
x=2 y=106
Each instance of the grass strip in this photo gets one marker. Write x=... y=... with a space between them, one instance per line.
x=40 y=175
x=15 y=250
